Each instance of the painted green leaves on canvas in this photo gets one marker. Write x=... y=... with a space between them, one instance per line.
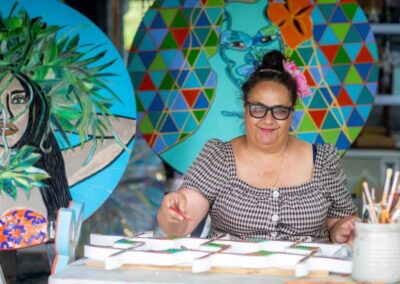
x=20 y=172
x=72 y=76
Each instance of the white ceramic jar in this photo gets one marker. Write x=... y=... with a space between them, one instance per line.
x=376 y=252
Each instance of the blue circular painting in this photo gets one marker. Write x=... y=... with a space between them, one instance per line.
x=189 y=58
x=68 y=116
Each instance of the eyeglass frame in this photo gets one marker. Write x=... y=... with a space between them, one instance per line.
x=267 y=109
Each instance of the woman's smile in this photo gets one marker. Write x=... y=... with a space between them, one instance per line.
x=267 y=129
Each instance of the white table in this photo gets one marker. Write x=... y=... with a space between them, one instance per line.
x=79 y=273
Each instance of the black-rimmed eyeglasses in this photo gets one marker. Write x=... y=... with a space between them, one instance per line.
x=258 y=110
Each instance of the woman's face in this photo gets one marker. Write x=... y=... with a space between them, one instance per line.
x=15 y=99
x=268 y=130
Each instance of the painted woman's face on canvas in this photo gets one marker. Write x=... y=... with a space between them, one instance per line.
x=15 y=99
x=243 y=42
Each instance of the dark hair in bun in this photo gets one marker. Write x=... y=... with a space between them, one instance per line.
x=271 y=69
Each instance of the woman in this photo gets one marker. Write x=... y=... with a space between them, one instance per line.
x=24 y=121
x=58 y=126
x=27 y=114
x=265 y=184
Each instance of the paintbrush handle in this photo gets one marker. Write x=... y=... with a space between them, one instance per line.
x=374 y=216
x=370 y=204
x=393 y=189
x=384 y=199
x=389 y=173
x=396 y=212
x=384 y=216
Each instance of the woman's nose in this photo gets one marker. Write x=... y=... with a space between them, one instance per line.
x=5 y=106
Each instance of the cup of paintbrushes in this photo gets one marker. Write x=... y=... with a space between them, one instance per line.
x=376 y=250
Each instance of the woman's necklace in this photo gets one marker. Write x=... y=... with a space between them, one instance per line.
x=273 y=185
x=280 y=167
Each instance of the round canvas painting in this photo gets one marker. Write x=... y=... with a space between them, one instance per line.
x=189 y=58
x=68 y=117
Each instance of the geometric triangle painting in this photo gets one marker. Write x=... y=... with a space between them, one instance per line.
x=189 y=58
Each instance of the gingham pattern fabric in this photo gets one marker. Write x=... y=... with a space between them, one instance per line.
x=286 y=213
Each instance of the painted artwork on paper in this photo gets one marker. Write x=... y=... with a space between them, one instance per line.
x=67 y=119
x=188 y=59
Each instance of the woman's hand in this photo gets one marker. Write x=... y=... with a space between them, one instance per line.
x=180 y=212
x=343 y=230
x=173 y=207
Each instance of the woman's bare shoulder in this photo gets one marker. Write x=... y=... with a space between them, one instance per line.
x=301 y=147
x=300 y=143
x=238 y=142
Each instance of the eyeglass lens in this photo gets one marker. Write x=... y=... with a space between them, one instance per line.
x=278 y=112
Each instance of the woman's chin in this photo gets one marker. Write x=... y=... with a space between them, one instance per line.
x=266 y=141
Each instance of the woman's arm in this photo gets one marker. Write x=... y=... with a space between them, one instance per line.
x=342 y=211
x=181 y=212
x=106 y=151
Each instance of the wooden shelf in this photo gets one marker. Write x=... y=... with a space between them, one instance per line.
x=386 y=28
x=387 y=100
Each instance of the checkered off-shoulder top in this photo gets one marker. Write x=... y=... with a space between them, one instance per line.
x=286 y=213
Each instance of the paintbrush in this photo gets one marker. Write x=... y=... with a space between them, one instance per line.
x=389 y=173
x=394 y=203
x=383 y=204
x=393 y=190
x=370 y=204
x=181 y=214
x=395 y=212
x=364 y=200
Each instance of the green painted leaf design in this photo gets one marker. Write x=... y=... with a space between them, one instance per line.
x=19 y=172
x=68 y=72
x=9 y=188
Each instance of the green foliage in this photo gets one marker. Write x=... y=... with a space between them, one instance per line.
x=65 y=71
x=20 y=172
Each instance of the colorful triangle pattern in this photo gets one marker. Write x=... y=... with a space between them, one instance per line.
x=175 y=85
x=342 y=65
x=168 y=63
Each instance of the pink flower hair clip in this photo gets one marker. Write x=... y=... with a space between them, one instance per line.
x=301 y=81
